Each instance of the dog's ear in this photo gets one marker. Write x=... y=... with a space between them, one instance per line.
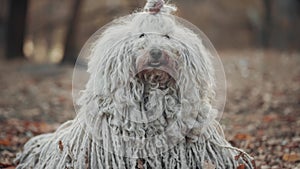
x=109 y=60
x=197 y=62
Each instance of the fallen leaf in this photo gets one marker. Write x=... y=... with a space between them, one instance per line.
x=242 y=136
x=242 y=166
x=291 y=157
x=7 y=166
x=270 y=118
x=253 y=164
x=5 y=142
x=60 y=145
x=38 y=127
x=238 y=156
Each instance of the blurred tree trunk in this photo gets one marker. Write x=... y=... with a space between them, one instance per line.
x=267 y=23
x=70 y=52
x=16 y=28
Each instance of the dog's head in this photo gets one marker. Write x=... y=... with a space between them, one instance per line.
x=150 y=49
x=149 y=75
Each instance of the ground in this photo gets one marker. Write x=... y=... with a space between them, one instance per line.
x=261 y=116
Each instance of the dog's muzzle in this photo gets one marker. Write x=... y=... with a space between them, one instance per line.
x=155 y=66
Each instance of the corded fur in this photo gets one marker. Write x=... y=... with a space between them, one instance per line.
x=101 y=134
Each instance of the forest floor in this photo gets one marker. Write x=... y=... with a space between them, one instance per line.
x=261 y=116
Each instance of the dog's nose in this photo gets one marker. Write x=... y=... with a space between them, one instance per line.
x=155 y=53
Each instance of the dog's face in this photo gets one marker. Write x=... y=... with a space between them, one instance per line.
x=158 y=53
x=156 y=62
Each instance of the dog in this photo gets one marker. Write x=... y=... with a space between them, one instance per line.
x=147 y=103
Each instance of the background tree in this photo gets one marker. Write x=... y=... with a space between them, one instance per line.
x=71 y=53
x=16 y=28
x=267 y=23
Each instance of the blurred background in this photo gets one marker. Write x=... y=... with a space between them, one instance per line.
x=258 y=42
x=54 y=31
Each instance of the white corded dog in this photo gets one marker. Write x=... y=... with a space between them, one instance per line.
x=147 y=103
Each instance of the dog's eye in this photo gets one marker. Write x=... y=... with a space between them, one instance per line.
x=142 y=35
x=167 y=36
